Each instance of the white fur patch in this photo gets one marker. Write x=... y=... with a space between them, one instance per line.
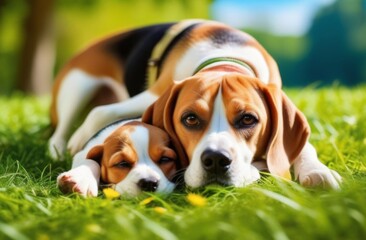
x=75 y=91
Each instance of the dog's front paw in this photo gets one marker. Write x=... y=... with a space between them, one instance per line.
x=78 y=180
x=56 y=148
x=323 y=177
x=76 y=141
x=96 y=119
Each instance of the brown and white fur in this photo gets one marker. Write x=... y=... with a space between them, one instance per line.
x=129 y=156
x=227 y=119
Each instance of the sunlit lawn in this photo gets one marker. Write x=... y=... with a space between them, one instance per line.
x=31 y=207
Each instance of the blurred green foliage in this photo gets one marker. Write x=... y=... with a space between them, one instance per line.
x=80 y=22
x=333 y=50
x=77 y=23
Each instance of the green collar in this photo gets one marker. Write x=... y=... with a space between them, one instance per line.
x=222 y=59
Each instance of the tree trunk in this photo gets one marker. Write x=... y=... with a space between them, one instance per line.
x=37 y=55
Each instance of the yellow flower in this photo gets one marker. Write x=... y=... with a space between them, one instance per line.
x=160 y=210
x=196 y=200
x=111 y=193
x=43 y=237
x=146 y=201
x=95 y=228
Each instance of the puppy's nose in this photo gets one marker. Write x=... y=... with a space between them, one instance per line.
x=216 y=162
x=148 y=184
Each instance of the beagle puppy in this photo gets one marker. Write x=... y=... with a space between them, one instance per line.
x=130 y=156
x=214 y=89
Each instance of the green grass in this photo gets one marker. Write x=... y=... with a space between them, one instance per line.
x=31 y=207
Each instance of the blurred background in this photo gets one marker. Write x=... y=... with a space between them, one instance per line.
x=315 y=42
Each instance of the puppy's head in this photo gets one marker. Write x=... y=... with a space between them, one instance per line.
x=223 y=124
x=136 y=157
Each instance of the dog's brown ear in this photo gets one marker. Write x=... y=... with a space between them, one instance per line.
x=154 y=113
x=160 y=114
x=96 y=153
x=290 y=131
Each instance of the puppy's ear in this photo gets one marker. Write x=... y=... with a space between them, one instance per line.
x=290 y=131
x=160 y=114
x=96 y=153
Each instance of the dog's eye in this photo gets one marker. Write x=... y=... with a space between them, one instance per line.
x=164 y=160
x=123 y=164
x=191 y=120
x=246 y=121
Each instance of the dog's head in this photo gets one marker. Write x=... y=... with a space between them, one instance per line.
x=223 y=124
x=136 y=157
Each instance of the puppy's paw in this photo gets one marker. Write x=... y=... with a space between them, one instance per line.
x=78 y=180
x=323 y=177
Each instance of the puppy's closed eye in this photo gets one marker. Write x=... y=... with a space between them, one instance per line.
x=165 y=160
x=123 y=165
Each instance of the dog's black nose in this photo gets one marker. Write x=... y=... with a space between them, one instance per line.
x=148 y=184
x=215 y=162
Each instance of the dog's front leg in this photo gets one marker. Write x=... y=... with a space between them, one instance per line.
x=311 y=172
x=103 y=115
x=83 y=178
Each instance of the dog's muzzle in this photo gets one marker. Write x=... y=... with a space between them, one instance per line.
x=216 y=163
x=148 y=184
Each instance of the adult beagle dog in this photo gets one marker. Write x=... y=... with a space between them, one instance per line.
x=214 y=89
x=130 y=156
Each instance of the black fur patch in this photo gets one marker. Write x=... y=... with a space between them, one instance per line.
x=134 y=49
x=223 y=36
